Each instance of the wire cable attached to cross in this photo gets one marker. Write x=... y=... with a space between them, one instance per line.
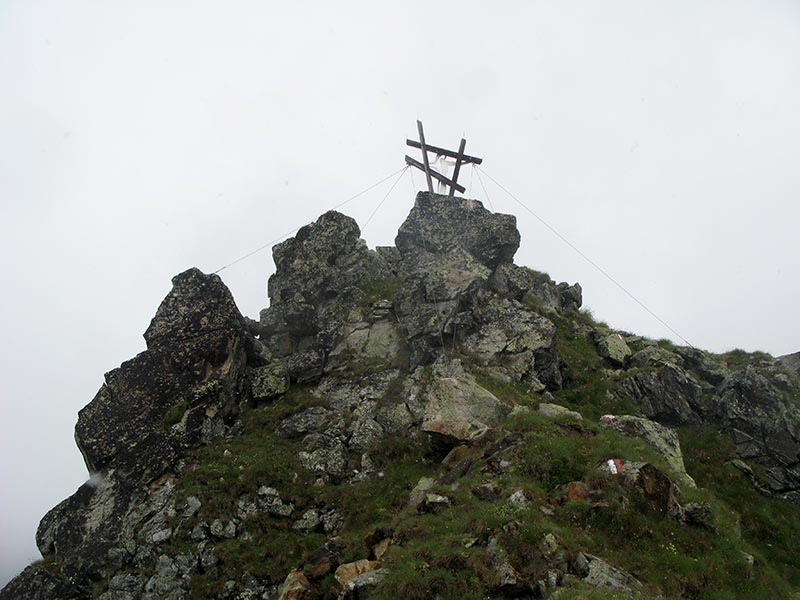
x=295 y=230
x=584 y=256
x=396 y=181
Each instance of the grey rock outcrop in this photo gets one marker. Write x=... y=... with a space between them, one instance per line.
x=667 y=394
x=182 y=391
x=662 y=439
x=765 y=428
x=313 y=291
x=457 y=409
x=613 y=348
x=440 y=224
x=603 y=575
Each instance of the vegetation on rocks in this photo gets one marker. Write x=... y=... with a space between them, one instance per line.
x=425 y=421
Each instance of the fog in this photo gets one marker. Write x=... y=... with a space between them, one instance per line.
x=140 y=139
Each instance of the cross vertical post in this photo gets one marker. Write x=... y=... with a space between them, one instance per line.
x=458 y=165
x=425 y=157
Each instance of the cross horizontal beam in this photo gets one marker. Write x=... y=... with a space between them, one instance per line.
x=434 y=174
x=444 y=152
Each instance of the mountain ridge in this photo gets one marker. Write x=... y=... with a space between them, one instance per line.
x=443 y=376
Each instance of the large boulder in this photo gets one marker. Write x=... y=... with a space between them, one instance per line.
x=366 y=346
x=197 y=309
x=438 y=224
x=37 y=583
x=603 y=575
x=662 y=439
x=521 y=283
x=196 y=355
x=457 y=409
x=654 y=356
x=613 y=348
x=570 y=297
x=660 y=493
x=430 y=304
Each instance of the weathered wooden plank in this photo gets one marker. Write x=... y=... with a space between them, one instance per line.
x=456 y=171
x=425 y=156
x=435 y=175
x=444 y=152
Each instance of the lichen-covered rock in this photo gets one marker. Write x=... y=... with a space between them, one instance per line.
x=169 y=580
x=196 y=369
x=555 y=411
x=570 y=297
x=663 y=440
x=198 y=306
x=431 y=302
x=612 y=347
x=366 y=346
x=507 y=579
x=348 y=571
x=359 y=587
x=457 y=409
x=535 y=288
x=268 y=381
x=654 y=356
x=326 y=454
x=713 y=372
x=37 y=583
x=517 y=342
x=438 y=224
x=791 y=362
x=603 y=575
x=310 y=522
x=661 y=493
x=308 y=421
x=180 y=392
x=313 y=290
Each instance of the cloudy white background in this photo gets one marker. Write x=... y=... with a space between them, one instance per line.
x=138 y=139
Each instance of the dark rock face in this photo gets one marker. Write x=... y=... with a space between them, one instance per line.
x=196 y=354
x=570 y=297
x=709 y=371
x=182 y=391
x=765 y=428
x=668 y=395
x=751 y=406
x=38 y=584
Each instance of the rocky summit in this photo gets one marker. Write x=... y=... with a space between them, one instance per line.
x=427 y=420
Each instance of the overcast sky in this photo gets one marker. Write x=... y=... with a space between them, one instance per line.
x=138 y=139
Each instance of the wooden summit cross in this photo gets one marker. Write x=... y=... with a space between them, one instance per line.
x=431 y=174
